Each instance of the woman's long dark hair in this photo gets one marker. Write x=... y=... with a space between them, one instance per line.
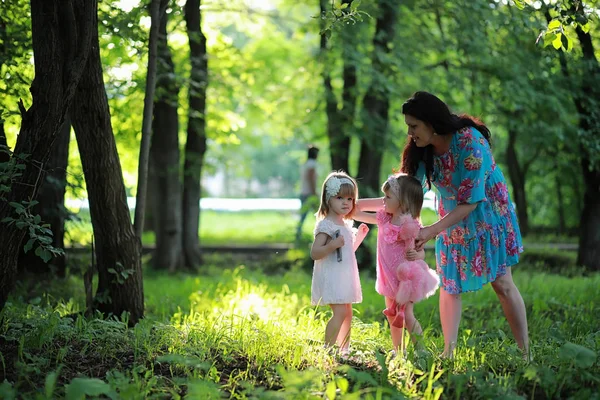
x=430 y=109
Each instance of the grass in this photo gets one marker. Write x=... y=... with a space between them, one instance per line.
x=217 y=227
x=239 y=333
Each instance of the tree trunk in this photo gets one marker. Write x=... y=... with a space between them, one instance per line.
x=517 y=178
x=560 y=202
x=164 y=154
x=339 y=141
x=195 y=146
x=589 y=239
x=118 y=250
x=51 y=207
x=376 y=103
x=4 y=156
x=140 y=203
x=61 y=33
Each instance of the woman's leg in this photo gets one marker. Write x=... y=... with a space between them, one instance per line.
x=335 y=323
x=343 y=338
x=450 y=310
x=514 y=309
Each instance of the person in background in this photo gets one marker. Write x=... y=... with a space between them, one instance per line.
x=308 y=185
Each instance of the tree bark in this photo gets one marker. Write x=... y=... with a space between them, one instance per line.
x=61 y=33
x=376 y=103
x=589 y=240
x=340 y=120
x=140 y=199
x=164 y=154
x=195 y=146
x=517 y=178
x=118 y=250
x=51 y=206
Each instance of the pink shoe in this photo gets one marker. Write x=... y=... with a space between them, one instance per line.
x=398 y=322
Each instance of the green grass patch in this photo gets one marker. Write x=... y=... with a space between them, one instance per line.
x=218 y=227
x=240 y=333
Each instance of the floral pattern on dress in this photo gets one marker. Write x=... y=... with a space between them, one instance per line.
x=479 y=248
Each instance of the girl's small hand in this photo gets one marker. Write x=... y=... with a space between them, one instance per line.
x=338 y=242
x=425 y=235
x=363 y=229
x=411 y=255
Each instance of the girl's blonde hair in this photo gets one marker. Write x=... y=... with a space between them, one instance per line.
x=409 y=192
x=346 y=190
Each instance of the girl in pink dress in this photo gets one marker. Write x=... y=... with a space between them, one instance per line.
x=403 y=278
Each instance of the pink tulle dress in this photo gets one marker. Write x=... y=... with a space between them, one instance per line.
x=399 y=279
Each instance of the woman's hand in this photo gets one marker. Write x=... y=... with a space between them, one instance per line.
x=425 y=235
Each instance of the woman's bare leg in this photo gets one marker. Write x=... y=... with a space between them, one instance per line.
x=514 y=309
x=450 y=313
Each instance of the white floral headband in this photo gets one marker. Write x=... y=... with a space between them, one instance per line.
x=392 y=180
x=333 y=185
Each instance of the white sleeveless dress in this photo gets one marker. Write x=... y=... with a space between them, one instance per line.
x=336 y=282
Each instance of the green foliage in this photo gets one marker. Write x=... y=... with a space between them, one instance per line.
x=40 y=234
x=242 y=334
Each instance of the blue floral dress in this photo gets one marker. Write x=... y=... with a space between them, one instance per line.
x=478 y=249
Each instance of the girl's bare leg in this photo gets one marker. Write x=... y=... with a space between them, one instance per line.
x=396 y=333
x=343 y=338
x=450 y=313
x=514 y=309
x=335 y=323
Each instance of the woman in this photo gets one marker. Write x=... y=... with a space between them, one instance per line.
x=478 y=238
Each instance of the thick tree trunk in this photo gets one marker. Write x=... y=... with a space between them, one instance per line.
x=517 y=178
x=51 y=207
x=376 y=103
x=589 y=239
x=164 y=155
x=195 y=146
x=61 y=33
x=118 y=250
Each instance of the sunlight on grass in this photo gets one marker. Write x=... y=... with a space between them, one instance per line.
x=239 y=331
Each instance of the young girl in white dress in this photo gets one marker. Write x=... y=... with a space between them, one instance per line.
x=335 y=279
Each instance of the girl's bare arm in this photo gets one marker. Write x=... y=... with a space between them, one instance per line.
x=322 y=245
x=375 y=204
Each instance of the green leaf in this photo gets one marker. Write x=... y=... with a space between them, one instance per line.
x=50 y=383
x=520 y=4
x=344 y=5
x=46 y=255
x=79 y=388
x=582 y=357
x=7 y=391
x=557 y=42
x=553 y=25
x=586 y=27
x=330 y=391
x=28 y=245
x=112 y=271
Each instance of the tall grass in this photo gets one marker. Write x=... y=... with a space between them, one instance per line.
x=240 y=333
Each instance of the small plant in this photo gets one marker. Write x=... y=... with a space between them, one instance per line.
x=40 y=234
